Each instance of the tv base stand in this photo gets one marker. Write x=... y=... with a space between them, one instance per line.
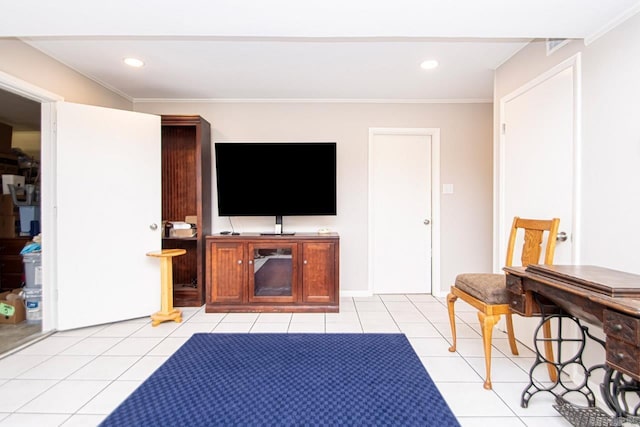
x=273 y=273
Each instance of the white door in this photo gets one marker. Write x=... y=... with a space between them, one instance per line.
x=400 y=213
x=538 y=166
x=108 y=199
x=538 y=159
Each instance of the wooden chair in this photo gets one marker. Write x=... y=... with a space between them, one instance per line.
x=487 y=292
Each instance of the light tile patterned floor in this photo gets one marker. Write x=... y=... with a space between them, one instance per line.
x=76 y=378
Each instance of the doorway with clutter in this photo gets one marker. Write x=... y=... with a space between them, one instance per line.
x=20 y=263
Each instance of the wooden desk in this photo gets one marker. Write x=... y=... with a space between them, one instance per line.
x=600 y=296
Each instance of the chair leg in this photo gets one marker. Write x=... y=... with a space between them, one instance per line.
x=451 y=299
x=487 y=323
x=511 y=335
x=548 y=351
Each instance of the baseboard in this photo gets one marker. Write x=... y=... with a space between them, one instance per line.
x=352 y=294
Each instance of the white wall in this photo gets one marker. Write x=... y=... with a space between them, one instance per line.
x=26 y=63
x=28 y=142
x=610 y=130
x=610 y=172
x=466 y=148
x=465 y=162
x=611 y=149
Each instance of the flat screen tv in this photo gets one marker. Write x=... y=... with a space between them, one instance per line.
x=276 y=178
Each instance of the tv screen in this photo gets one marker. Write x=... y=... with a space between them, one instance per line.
x=276 y=179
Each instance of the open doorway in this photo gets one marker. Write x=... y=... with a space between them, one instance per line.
x=20 y=140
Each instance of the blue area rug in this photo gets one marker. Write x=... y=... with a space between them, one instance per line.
x=288 y=380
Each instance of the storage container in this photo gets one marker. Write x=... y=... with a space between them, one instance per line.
x=33 y=304
x=27 y=215
x=17 y=180
x=32 y=269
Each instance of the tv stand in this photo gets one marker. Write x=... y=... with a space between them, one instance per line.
x=277 y=234
x=269 y=273
x=278 y=226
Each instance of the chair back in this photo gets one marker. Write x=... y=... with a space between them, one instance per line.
x=533 y=236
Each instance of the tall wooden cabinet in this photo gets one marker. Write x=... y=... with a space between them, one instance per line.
x=186 y=191
x=11 y=263
x=251 y=272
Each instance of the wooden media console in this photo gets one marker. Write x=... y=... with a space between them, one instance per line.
x=272 y=273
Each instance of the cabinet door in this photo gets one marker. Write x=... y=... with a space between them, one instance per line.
x=273 y=272
x=318 y=272
x=227 y=267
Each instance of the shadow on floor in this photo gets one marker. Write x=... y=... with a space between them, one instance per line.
x=13 y=336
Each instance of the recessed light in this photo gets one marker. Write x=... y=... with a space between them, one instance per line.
x=133 y=62
x=429 y=64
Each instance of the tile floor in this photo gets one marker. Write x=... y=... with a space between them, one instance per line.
x=76 y=378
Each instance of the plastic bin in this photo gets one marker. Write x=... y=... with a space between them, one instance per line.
x=32 y=270
x=33 y=304
x=28 y=214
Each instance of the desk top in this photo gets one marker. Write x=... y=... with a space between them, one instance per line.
x=602 y=280
x=598 y=295
x=582 y=289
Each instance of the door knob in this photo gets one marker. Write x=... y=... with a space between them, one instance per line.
x=154 y=226
x=426 y=222
x=562 y=237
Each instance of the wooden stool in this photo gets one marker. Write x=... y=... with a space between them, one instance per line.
x=167 y=312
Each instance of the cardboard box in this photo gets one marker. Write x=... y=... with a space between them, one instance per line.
x=16 y=307
x=17 y=180
x=8 y=225
x=6 y=205
x=182 y=233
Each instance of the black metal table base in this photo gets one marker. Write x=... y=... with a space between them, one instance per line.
x=620 y=392
x=561 y=361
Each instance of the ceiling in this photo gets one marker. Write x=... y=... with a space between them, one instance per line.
x=300 y=50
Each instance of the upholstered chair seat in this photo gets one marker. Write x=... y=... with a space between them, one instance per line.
x=487 y=287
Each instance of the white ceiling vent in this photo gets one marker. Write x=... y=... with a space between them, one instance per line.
x=555 y=44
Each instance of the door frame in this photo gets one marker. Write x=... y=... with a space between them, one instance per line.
x=48 y=190
x=434 y=133
x=499 y=220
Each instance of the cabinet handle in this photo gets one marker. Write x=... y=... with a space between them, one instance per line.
x=250 y=261
x=239 y=261
x=620 y=356
x=304 y=262
x=617 y=327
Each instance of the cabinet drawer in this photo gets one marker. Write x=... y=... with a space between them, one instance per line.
x=623 y=357
x=621 y=327
x=517 y=302
x=514 y=284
